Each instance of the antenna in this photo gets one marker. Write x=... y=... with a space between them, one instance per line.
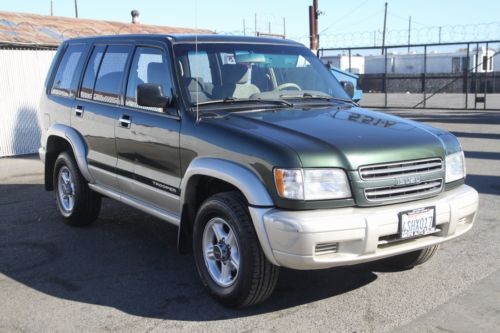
x=196 y=57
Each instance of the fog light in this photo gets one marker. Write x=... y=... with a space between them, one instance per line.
x=326 y=248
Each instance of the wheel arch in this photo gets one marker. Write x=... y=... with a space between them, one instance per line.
x=62 y=138
x=224 y=176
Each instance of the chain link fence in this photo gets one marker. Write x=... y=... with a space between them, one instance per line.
x=445 y=76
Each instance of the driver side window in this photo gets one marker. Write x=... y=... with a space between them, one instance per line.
x=148 y=66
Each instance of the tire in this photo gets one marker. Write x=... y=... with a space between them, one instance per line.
x=411 y=259
x=77 y=203
x=253 y=278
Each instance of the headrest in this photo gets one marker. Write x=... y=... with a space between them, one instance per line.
x=157 y=72
x=192 y=83
x=234 y=74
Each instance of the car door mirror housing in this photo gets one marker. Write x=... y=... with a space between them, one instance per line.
x=348 y=87
x=151 y=94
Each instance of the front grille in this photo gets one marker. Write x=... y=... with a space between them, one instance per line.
x=390 y=170
x=388 y=193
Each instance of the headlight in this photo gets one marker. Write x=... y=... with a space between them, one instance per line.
x=312 y=184
x=455 y=167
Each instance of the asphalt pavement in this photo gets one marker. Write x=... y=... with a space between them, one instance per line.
x=124 y=274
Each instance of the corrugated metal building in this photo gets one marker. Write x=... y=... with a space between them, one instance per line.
x=27 y=46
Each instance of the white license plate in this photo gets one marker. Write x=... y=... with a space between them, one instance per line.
x=417 y=222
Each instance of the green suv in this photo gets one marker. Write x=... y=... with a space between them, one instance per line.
x=253 y=150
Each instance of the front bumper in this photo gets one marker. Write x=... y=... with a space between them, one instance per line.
x=360 y=234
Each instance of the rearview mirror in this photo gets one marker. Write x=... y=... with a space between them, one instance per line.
x=151 y=94
x=348 y=87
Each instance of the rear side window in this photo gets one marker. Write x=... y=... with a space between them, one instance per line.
x=109 y=80
x=64 y=81
x=91 y=72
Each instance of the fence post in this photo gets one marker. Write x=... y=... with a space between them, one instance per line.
x=486 y=75
x=476 y=64
x=424 y=77
x=466 y=77
x=349 y=60
x=385 y=76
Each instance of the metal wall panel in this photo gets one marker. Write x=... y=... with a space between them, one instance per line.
x=22 y=75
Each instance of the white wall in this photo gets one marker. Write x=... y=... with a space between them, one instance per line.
x=22 y=75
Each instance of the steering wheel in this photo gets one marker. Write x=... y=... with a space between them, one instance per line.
x=285 y=86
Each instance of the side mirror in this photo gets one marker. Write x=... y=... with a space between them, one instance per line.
x=348 y=87
x=151 y=94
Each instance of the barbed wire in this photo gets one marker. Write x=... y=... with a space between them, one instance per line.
x=421 y=35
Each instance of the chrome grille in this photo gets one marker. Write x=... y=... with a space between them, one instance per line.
x=402 y=192
x=390 y=170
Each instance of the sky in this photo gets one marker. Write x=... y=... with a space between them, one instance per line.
x=362 y=18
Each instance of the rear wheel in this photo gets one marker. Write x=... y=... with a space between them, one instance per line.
x=228 y=255
x=77 y=203
x=411 y=259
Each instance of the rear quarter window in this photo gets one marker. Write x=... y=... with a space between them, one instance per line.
x=65 y=82
x=87 y=89
x=108 y=85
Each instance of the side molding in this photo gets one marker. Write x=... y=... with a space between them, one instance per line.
x=235 y=174
x=77 y=144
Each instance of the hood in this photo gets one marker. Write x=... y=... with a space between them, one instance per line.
x=345 y=137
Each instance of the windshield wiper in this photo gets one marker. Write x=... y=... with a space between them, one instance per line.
x=319 y=97
x=232 y=100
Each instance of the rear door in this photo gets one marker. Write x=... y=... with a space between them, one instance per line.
x=147 y=138
x=98 y=108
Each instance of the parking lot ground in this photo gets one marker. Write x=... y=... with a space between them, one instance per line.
x=124 y=273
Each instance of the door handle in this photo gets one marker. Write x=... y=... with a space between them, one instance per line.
x=79 y=111
x=125 y=121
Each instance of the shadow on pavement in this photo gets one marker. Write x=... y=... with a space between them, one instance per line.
x=128 y=260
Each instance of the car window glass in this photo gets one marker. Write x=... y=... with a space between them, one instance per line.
x=199 y=66
x=91 y=71
x=109 y=80
x=63 y=80
x=148 y=66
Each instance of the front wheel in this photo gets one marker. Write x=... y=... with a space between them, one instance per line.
x=228 y=255
x=411 y=259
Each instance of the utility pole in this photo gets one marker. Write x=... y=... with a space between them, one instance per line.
x=385 y=25
x=255 y=24
x=440 y=35
x=284 y=27
x=244 y=28
x=313 y=26
x=51 y=7
x=409 y=33
x=76 y=8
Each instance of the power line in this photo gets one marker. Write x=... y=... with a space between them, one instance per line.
x=343 y=16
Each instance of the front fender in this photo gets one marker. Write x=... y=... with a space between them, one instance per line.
x=240 y=177
x=235 y=174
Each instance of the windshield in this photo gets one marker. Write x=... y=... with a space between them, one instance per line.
x=249 y=72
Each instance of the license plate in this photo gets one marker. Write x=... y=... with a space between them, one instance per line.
x=417 y=222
